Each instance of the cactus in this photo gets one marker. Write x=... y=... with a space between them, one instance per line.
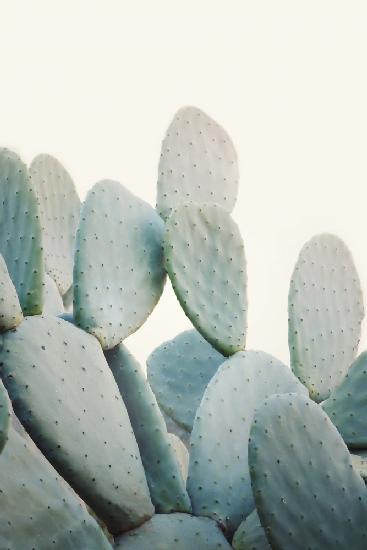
x=250 y=535
x=52 y=301
x=10 y=311
x=4 y=416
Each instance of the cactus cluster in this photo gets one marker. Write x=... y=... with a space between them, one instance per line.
x=218 y=446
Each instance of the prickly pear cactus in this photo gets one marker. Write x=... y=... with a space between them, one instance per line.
x=4 y=416
x=250 y=535
x=10 y=311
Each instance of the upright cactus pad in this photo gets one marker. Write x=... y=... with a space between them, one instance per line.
x=167 y=488
x=65 y=395
x=179 y=371
x=59 y=207
x=4 y=416
x=307 y=493
x=174 y=532
x=10 y=310
x=205 y=260
x=20 y=232
x=118 y=274
x=219 y=480
x=325 y=308
x=250 y=535
x=198 y=163
x=347 y=405
x=38 y=509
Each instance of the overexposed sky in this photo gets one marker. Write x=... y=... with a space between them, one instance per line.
x=96 y=83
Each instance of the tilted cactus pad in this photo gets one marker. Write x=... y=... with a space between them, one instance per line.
x=10 y=311
x=325 y=308
x=167 y=488
x=118 y=274
x=174 y=532
x=250 y=535
x=179 y=371
x=307 y=493
x=219 y=480
x=66 y=397
x=59 y=208
x=4 y=416
x=20 y=232
x=38 y=509
x=198 y=163
x=205 y=260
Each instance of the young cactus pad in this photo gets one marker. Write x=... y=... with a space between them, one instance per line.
x=347 y=405
x=307 y=493
x=250 y=535
x=20 y=232
x=38 y=509
x=205 y=260
x=59 y=208
x=198 y=163
x=166 y=485
x=325 y=309
x=174 y=532
x=219 y=480
x=179 y=371
x=67 y=399
x=10 y=311
x=118 y=273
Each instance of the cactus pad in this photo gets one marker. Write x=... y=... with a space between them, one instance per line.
x=174 y=531
x=10 y=310
x=4 y=416
x=325 y=309
x=65 y=395
x=52 y=301
x=205 y=260
x=359 y=461
x=219 y=480
x=182 y=454
x=59 y=208
x=307 y=493
x=167 y=488
x=198 y=163
x=20 y=232
x=118 y=272
x=250 y=535
x=179 y=371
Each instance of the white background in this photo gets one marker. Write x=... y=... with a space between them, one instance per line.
x=96 y=83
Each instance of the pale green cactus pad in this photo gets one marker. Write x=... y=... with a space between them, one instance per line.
x=52 y=300
x=4 y=416
x=179 y=371
x=250 y=535
x=175 y=429
x=307 y=493
x=182 y=454
x=325 y=309
x=174 y=532
x=205 y=260
x=67 y=399
x=59 y=207
x=167 y=487
x=347 y=404
x=10 y=311
x=198 y=163
x=359 y=461
x=20 y=232
x=118 y=274
x=219 y=480
x=38 y=509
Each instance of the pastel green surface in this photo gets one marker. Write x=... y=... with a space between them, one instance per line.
x=177 y=430
x=174 y=532
x=219 y=480
x=20 y=232
x=118 y=273
x=59 y=207
x=67 y=399
x=4 y=416
x=250 y=535
x=307 y=493
x=325 y=309
x=205 y=260
x=359 y=461
x=166 y=485
x=53 y=304
x=198 y=163
x=10 y=311
x=181 y=453
x=179 y=371
x=38 y=509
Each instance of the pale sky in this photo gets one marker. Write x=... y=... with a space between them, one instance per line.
x=96 y=83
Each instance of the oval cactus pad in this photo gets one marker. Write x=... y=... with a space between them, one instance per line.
x=118 y=273
x=205 y=260
x=198 y=163
x=325 y=310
